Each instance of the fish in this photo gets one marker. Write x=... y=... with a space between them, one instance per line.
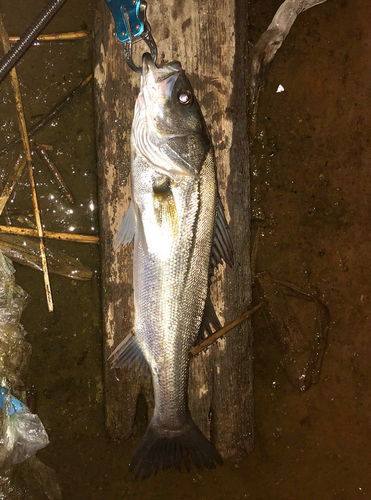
x=180 y=234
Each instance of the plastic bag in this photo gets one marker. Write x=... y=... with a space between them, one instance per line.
x=22 y=433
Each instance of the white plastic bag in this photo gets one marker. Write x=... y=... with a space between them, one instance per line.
x=22 y=433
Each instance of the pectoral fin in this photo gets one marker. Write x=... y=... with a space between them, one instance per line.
x=165 y=208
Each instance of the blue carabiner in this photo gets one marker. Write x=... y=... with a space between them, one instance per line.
x=126 y=16
x=132 y=26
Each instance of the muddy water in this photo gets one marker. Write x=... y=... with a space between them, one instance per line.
x=311 y=189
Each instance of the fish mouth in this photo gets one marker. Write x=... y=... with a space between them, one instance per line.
x=157 y=83
x=150 y=72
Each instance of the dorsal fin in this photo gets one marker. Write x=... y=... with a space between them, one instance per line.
x=222 y=248
x=209 y=319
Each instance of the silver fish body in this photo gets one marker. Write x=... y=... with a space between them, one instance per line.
x=171 y=280
x=172 y=218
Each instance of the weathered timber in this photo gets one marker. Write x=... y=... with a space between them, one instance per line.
x=208 y=37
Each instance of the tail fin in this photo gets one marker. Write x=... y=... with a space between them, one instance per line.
x=159 y=447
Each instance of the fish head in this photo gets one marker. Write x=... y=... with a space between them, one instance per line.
x=170 y=131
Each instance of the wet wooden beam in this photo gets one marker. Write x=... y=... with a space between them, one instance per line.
x=209 y=38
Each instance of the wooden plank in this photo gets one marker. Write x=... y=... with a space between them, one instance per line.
x=208 y=37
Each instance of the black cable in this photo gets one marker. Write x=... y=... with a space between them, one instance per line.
x=17 y=51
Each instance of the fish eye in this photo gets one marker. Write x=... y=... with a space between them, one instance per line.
x=185 y=97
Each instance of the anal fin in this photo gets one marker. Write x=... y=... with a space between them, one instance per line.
x=127 y=353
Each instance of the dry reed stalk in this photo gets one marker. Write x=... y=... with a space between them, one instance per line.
x=26 y=231
x=52 y=113
x=227 y=328
x=72 y=35
x=11 y=182
x=23 y=130
x=43 y=154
